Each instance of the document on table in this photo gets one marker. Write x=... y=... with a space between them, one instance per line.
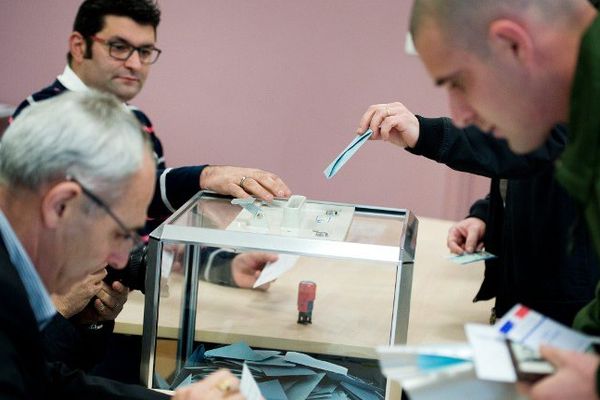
x=346 y=154
x=274 y=270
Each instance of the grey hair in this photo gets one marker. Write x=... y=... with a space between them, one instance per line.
x=89 y=136
x=467 y=21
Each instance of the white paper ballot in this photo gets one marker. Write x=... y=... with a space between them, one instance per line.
x=530 y=328
x=440 y=372
x=490 y=353
x=248 y=386
x=274 y=270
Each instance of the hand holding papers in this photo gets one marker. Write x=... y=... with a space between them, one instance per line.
x=274 y=270
x=486 y=363
x=345 y=155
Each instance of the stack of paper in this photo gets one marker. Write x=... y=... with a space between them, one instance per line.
x=294 y=376
x=481 y=368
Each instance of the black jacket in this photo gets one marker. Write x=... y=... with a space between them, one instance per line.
x=24 y=372
x=545 y=259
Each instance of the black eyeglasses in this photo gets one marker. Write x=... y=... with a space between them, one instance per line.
x=128 y=233
x=121 y=50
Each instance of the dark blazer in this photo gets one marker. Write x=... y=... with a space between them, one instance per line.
x=24 y=372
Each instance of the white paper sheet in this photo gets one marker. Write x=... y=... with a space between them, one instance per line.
x=274 y=270
x=490 y=353
x=248 y=386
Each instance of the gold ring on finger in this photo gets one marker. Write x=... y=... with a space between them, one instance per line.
x=224 y=386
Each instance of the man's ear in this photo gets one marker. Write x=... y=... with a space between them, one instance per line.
x=58 y=201
x=77 y=46
x=512 y=39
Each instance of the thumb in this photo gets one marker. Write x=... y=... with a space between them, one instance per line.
x=554 y=355
x=472 y=240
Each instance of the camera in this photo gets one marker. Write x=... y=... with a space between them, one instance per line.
x=134 y=274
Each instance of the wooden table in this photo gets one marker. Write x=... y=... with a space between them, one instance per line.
x=349 y=321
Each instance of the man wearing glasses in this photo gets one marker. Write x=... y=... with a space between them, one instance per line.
x=71 y=200
x=111 y=49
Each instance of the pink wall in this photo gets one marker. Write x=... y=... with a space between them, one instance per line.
x=278 y=85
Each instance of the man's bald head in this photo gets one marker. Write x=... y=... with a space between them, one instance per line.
x=465 y=23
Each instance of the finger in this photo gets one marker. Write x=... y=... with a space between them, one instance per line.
x=109 y=300
x=235 y=190
x=378 y=117
x=263 y=258
x=106 y=312
x=472 y=239
x=393 y=123
x=555 y=356
x=455 y=241
x=455 y=248
x=523 y=388
x=480 y=246
x=365 y=120
x=271 y=257
x=119 y=287
x=256 y=189
x=99 y=275
x=273 y=184
x=99 y=306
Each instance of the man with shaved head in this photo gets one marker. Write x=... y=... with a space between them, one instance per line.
x=516 y=68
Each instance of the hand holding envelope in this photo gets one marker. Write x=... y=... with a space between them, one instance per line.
x=346 y=154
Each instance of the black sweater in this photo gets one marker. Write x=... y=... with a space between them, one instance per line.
x=545 y=258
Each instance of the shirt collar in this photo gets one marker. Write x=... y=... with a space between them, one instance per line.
x=71 y=81
x=39 y=298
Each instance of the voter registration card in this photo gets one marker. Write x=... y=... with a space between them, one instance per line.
x=467 y=258
x=530 y=328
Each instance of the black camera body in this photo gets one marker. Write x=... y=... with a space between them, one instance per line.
x=134 y=274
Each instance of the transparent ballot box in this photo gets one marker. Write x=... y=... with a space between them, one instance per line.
x=342 y=287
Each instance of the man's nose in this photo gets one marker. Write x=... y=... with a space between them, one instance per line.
x=462 y=113
x=118 y=259
x=134 y=62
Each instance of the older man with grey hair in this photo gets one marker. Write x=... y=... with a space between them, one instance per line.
x=76 y=177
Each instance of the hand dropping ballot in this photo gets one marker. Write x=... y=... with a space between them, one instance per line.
x=346 y=154
x=274 y=270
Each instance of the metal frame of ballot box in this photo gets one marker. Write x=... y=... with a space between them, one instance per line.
x=194 y=237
